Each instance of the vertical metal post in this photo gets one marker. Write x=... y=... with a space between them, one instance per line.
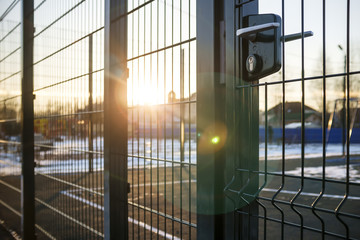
x=182 y=107
x=248 y=140
x=115 y=121
x=27 y=123
x=90 y=126
x=211 y=126
x=229 y=56
x=344 y=110
x=242 y=119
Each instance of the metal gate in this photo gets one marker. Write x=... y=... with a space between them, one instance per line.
x=180 y=119
x=98 y=119
x=279 y=90
x=10 y=143
x=161 y=92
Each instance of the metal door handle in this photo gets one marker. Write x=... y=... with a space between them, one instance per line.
x=296 y=36
x=249 y=33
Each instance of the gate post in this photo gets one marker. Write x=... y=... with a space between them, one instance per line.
x=211 y=126
x=27 y=122
x=115 y=121
x=227 y=121
x=243 y=123
x=90 y=108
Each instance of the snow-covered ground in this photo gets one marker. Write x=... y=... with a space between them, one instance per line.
x=162 y=152
x=337 y=172
x=314 y=150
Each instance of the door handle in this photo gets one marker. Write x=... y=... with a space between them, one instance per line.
x=249 y=33
x=296 y=36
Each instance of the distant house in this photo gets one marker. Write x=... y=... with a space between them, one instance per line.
x=293 y=115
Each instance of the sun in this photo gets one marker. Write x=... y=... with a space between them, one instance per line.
x=145 y=96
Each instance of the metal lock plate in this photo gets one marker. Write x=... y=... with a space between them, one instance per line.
x=261 y=45
x=263 y=48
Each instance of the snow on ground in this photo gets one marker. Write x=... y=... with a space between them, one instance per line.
x=331 y=172
x=144 y=152
x=314 y=150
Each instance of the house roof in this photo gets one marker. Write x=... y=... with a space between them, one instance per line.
x=292 y=108
x=292 y=112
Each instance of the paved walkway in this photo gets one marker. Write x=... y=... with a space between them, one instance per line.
x=5 y=235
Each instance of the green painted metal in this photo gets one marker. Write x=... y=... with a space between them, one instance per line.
x=228 y=124
x=242 y=118
x=27 y=123
x=115 y=121
x=210 y=123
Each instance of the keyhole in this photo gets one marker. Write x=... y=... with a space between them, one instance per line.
x=251 y=64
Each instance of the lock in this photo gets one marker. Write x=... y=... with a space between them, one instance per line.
x=253 y=63
x=261 y=52
x=261 y=45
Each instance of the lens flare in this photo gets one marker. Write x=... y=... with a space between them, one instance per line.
x=215 y=140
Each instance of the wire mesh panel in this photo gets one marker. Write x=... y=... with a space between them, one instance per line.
x=161 y=117
x=68 y=94
x=10 y=107
x=68 y=107
x=307 y=180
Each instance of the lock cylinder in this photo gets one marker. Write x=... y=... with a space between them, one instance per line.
x=253 y=63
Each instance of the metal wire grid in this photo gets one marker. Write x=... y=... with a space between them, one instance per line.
x=65 y=70
x=162 y=127
x=286 y=208
x=68 y=107
x=10 y=104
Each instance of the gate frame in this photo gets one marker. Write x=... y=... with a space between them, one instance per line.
x=218 y=72
x=244 y=119
x=210 y=119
